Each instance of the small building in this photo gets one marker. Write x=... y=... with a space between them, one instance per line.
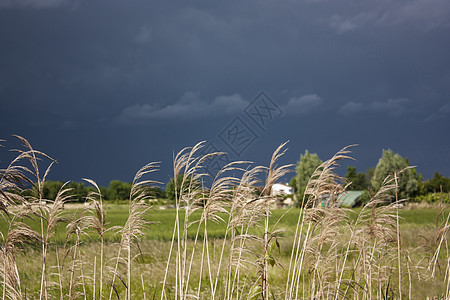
x=282 y=189
x=288 y=202
x=350 y=198
x=347 y=199
x=286 y=194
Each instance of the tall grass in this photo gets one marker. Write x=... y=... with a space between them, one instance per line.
x=333 y=253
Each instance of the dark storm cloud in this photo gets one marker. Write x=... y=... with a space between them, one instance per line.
x=422 y=14
x=103 y=73
x=190 y=106
x=303 y=105
x=38 y=4
x=391 y=107
x=442 y=113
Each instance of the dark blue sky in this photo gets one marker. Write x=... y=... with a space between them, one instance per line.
x=107 y=86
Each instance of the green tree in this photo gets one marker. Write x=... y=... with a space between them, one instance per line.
x=104 y=192
x=170 y=187
x=156 y=192
x=369 y=174
x=79 y=191
x=293 y=183
x=391 y=163
x=359 y=180
x=306 y=166
x=435 y=184
x=51 y=189
x=118 y=190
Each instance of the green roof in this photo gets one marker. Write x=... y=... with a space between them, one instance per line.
x=350 y=198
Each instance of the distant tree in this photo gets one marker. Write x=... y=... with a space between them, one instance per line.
x=51 y=189
x=369 y=174
x=79 y=191
x=104 y=192
x=118 y=190
x=170 y=187
x=358 y=180
x=436 y=183
x=305 y=168
x=293 y=183
x=156 y=193
x=389 y=163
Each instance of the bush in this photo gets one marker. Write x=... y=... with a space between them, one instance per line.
x=432 y=198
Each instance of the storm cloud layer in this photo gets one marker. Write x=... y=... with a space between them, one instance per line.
x=106 y=86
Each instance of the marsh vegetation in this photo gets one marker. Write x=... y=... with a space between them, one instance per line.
x=224 y=239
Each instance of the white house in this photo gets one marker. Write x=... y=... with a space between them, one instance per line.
x=282 y=189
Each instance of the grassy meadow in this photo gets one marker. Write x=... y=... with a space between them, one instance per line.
x=417 y=225
x=162 y=222
x=223 y=241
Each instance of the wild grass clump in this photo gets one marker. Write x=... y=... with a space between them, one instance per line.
x=226 y=242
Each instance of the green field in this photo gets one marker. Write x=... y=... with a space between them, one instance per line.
x=225 y=242
x=162 y=222
x=417 y=227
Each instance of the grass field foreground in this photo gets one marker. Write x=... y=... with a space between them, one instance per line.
x=224 y=241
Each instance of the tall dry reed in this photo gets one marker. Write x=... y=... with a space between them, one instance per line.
x=330 y=255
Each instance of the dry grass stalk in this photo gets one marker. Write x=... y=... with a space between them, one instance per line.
x=34 y=157
x=440 y=239
x=136 y=224
x=374 y=233
x=244 y=213
x=215 y=201
x=188 y=164
x=331 y=257
x=51 y=217
x=14 y=179
x=97 y=219
x=78 y=227
x=324 y=184
x=19 y=235
x=247 y=210
x=274 y=173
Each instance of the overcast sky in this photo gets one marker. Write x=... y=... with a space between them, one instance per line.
x=105 y=87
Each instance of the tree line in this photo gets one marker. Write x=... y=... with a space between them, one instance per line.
x=411 y=184
x=116 y=190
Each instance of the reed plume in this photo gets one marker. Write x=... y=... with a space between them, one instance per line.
x=19 y=235
x=136 y=224
x=96 y=218
x=324 y=186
